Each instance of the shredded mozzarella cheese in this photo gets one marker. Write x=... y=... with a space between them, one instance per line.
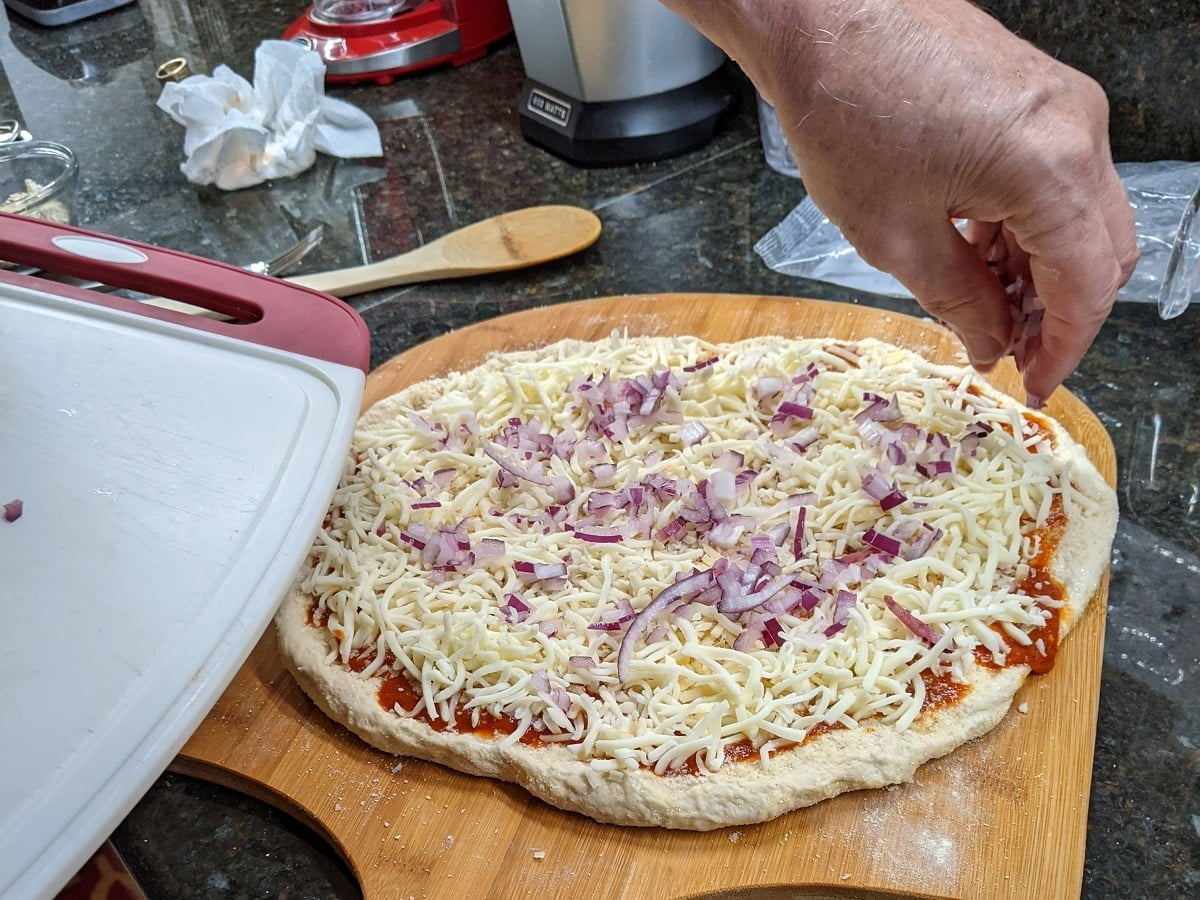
x=691 y=694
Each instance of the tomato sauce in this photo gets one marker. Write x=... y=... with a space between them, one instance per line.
x=398 y=690
x=941 y=690
x=1038 y=583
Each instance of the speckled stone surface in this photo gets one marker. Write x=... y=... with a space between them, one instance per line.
x=454 y=155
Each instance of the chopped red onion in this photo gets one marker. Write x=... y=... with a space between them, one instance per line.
x=877 y=488
x=605 y=626
x=805 y=438
x=810 y=372
x=672 y=528
x=540 y=681
x=427 y=504
x=656 y=635
x=765 y=543
x=794 y=410
x=515 y=609
x=725 y=535
x=778 y=533
x=731 y=460
x=922 y=543
x=421 y=423
x=604 y=474
x=881 y=541
x=540 y=571
x=703 y=364
x=722 y=486
x=582 y=662
x=693 y=433
x=768 y=386
x=550 y=627
x=878 y=410
x=380 y=529
x=798 y=534
x=409 y=539
x=13 y=510
x=680 y=589
x=773 y=633
x=443 y=477
x=841 y=612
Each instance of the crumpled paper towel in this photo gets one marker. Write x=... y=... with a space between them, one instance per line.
x=239 y=134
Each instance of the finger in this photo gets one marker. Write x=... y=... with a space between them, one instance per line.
x=952 y=281
x=982 y=235
x=1121 y=225
x=1076 y=275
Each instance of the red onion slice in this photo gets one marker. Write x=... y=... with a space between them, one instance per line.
x=693 y=433
x=582 y=662
x=595 y=537
x=511 y=467
x=735 y=605
x=427 y=504
x=541 y=681
x=911 y=622
x=703 y=364
x=679 y=589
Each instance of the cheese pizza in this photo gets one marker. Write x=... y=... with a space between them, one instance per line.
x=660 y=581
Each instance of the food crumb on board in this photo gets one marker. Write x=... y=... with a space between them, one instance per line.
x=428 y=797
x=387 y=824
x=1023 y=709
x=397 y=767
x=735 y=837
x=539 y=854
x=448 y=842
x=337 y=807
x=846 y=876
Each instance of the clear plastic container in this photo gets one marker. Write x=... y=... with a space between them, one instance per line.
x=37 y=179
x=775 y=147
x=1182 y=278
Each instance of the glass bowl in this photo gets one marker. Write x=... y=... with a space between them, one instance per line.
x=37 y=179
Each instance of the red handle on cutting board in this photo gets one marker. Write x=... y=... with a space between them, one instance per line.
x=275 y=313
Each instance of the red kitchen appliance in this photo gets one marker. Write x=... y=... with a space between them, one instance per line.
x=376 y=40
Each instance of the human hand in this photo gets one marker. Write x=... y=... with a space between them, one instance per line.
x=903 y=114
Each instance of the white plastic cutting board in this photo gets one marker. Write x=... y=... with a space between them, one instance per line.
x=172 y=481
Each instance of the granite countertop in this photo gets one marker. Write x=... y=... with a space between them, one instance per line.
x=454 y=155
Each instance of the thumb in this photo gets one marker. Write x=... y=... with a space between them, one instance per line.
x=951 y=281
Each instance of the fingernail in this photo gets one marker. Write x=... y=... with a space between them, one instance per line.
x=983 y=349
x=1033 y=401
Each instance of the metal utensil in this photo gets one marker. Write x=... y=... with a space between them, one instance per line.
x=277 y=266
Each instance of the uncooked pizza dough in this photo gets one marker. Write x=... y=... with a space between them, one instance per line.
x=664 y=582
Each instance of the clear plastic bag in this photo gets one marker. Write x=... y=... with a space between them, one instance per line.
x=808 y=245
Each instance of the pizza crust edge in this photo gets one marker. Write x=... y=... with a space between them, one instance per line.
x=740 y=793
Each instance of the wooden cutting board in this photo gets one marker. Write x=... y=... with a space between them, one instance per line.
x=1004 y=816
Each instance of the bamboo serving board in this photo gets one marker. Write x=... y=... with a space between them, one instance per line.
x=1003 y=816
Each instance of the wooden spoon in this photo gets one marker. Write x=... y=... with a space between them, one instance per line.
x=511 y=240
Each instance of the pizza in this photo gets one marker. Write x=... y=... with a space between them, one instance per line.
x=665 y=582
